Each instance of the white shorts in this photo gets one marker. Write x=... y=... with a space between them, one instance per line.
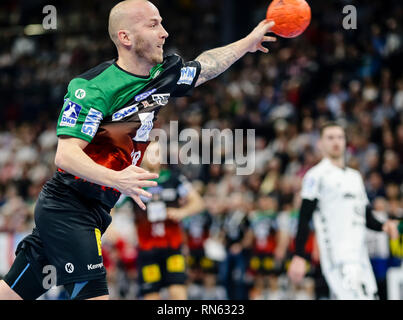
x=351 y=281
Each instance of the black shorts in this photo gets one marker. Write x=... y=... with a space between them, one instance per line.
x=197 y=260
x=263 y=264
x=159 y=268
x=67 y=235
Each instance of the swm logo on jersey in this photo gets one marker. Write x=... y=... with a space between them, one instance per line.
x=91 y=122
x=144 y=95
x=70 y=114
x=143 y=132
x=187 y=75
x=122 y=113
x=161 y=99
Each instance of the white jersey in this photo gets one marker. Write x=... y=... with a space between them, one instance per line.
x=340 y=224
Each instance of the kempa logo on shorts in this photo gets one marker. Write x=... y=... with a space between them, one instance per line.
x=69 y=267
x=95 y=266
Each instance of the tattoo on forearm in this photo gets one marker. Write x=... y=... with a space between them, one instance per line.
x=216 y=61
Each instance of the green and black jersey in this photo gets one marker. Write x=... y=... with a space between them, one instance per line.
x=114 y=111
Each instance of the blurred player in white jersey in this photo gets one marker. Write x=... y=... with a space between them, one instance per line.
x=335 y=196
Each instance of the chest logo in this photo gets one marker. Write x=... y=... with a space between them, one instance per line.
x=123 y=113
x=144 y=95
x=147 y=123
x=161 y=99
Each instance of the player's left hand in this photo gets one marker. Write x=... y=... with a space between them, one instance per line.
x=390 y=227
x=258 y=35
x=175 y=214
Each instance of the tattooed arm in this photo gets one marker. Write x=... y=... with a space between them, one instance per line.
x=216 y=61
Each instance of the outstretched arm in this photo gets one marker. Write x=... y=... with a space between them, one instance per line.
x=216 y=61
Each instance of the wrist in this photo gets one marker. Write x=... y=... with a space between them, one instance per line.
x=113 y=179
x=246 y=44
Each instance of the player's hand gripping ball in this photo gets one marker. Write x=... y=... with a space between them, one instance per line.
x=292 y=17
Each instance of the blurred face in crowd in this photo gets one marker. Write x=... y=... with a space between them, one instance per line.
x=333 y=142
x=267 y=203
x=136 y=26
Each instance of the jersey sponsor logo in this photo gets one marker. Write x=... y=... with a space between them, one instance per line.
x=69 y=267
x=187 y=75
x=349 y=195
x=70 y=114
x=144 y=95
x=135 y=157
x=161 y=99
x=146 y=104
x=91 y=122
x=95 y=266
x=123 y=113
x=147 y=124
x=80 y=93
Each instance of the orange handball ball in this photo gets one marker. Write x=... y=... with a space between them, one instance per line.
x=292 y=17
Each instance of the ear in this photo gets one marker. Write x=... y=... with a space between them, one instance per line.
x=124 y=38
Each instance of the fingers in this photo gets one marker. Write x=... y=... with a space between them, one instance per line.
x=137 y=199
x=142 y=192
x=269 y=39
x=147 y=176
x=263 y=49
x=267 y=25
x=147 y=183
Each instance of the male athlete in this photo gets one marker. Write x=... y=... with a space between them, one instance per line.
x=335 y=195
x=103 y=131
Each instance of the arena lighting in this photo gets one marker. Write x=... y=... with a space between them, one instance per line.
x=33 y=30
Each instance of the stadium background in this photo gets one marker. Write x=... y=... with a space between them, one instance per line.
x=328 y=73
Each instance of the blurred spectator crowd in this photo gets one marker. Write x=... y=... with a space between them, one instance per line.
x=351 y=76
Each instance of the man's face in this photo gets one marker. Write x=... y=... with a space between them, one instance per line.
x=149 y=35
x=333 y=142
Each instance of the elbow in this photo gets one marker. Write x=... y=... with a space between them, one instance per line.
x=59 y=163
x=58 y=160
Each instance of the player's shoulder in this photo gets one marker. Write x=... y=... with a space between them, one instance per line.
x=354 y=172
x=86 y=82
x=172 y=58
x=172 y=63
x=94 y=72
x=317 y=169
